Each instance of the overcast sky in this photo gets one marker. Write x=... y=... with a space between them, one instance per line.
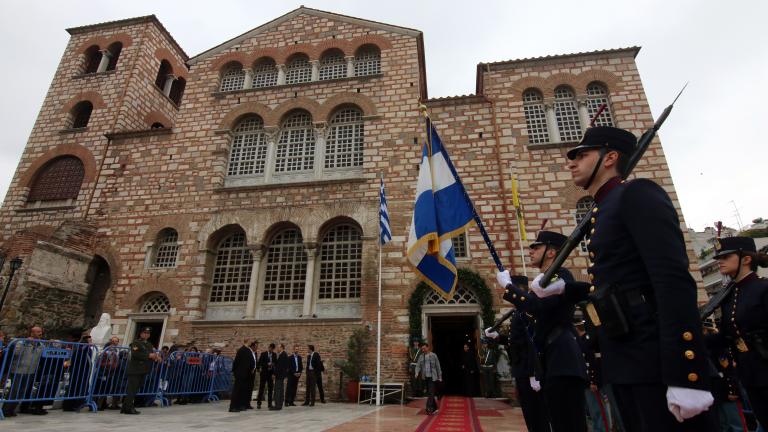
x=713 y=139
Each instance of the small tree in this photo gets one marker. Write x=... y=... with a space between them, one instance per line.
x=357 y=346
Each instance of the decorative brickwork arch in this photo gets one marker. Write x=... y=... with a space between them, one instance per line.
x=233 y=117
x=165 y=54
x=340 y=44
x=380 y=41
x=560 y=79
x=157 y=117
x=274 y=229
x=104 y=41
x=222 y=232
x=335 y=102
x=150 y=286
x=520 y=86
x=90 y=96
x=260 y=53
x=232 y=57
x=338 y=220
x=82 y=153
x=304 y=103
x=604 y=77
x=287 y=52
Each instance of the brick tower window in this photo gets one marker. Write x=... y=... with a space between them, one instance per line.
x=367 y=60
x=81 y=114
x=333 y=65
x=249 y=148
x=114 y=51
x=59 y=179
x=177 y=90
x=162 y=73
x=341 y=263
x=597 y=94
x=535 y=117
x=299 y=69
x=582 y=208
x=286 y=267
x=344 y=146
x=232 y=271
x=166 y=249
x=92 y=59
x=265 y=73
x=296 y=146
x=233 y=78
x=567 y=114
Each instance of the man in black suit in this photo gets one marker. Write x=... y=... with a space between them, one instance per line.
x=281 y=372
x=266 y=365
x=242 y=369
x=313 y=370
x=254 y=346
x=295 y=367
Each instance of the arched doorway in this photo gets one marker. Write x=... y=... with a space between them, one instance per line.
x=99 y=279
x=154 y=308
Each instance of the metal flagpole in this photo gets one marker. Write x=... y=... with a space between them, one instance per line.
x=378 y=329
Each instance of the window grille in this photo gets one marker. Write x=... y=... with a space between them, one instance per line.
x=597 y=95
x=460 y=296
x=286 y=267
x=158 y=303
x=344 y=146
x=232 y=270
x=582 y=208
x=368 y=61
x=333 y=66
x=341 y=263
x=60 y=179
x=535 y=117
x=167 y=249
x=296 y=145
x=567 y=114
x=298 y=70
x=249 y=148
x=233 y=79
x=460 y=245
x=265 y=74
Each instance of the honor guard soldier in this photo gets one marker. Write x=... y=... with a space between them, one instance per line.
x=414 y=353
x=488 y=360
x=642 y=299
x=563 y=375
x=140 y=360
x=745 y=317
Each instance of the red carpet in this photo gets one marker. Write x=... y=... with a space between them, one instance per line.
x=455 y=413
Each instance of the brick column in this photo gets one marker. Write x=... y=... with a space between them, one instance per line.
x=554 y=131
x=169 y=79
x=248 y=83
x=350 y=66
x=315 y=70
x=106 y=56
x=309 y=283
x=281 y=74
x=257 y=250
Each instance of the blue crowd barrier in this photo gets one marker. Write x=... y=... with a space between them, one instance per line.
x=38 y=372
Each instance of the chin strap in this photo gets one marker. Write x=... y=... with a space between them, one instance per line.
x=544 y=255
x=603 y=151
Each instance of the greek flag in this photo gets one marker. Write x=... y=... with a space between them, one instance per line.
x=441 y=212
x=385 y=235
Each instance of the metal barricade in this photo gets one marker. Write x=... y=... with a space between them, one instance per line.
x=194 y=373
x=222 y=376
x=38 y=372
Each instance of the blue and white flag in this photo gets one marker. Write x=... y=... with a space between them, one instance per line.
x=385 y=234
x=440 y=213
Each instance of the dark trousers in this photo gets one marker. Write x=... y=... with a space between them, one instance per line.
x=240 y=398
x=565 y=404
x=431 y=401
x=758 y=400
x=290 y=392
x=416 y=384
x=134 y=384
x=265 y=381
x=489 y=381
x=532 y=404
x=320 y=391
x=309 y=395
x=470 y=382
x=249 y=388
x=279 y=392
x=643 y=408
x=21 y=388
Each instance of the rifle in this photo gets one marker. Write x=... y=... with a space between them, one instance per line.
x=715 y=301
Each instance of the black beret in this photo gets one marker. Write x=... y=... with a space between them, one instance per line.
x=605 y=136
x=729 y=245
x=550 y=238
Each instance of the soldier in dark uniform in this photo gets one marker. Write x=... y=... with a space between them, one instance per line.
x=488 y=358
x=414 y=352
x=642 y=297
x=745 y=317
x=139 y=365
x=563 y=376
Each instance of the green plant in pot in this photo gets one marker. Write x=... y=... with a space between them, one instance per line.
x=357 y=346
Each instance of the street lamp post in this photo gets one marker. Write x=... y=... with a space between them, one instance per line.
x=15 y=264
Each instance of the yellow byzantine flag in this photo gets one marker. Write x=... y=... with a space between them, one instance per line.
x=518 y=209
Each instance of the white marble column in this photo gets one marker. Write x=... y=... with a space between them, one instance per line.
x=350 y=66
x=321 y=136
x=309 y=283
x=169 y=79
x=271 y=134
x=257 y=251
x=106 y=56
x=583 y=113
x=248 y=82
x=554 y=131
x=315 y=70
x=281 y=74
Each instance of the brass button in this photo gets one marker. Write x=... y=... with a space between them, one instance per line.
x=592 y=231
x=594 y=210
x=593 y=220
x=589 y=241
x=592 y=255
x=692 y=377
x=592 y=289
x=591 y=265
x=522 y=298
x=688 y=336
x=591 y=277
x=514 y=296
x=690 y=355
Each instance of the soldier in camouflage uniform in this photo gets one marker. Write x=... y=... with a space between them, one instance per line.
x=139 y=365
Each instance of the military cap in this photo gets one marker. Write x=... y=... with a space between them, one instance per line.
x=550 y=238
x=146 y=329
x=729 y=245
x=605 y=137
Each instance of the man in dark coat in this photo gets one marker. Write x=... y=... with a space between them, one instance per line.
x=281 y=373
x=242 y=369
x=470 y=370
x=266 y=366
x=295 y=368
x=139 y=365
x=314 y=365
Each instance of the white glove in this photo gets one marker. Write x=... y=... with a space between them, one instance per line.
x=685 y=403
x=535 y=384
x=554 y=288
x=491 y=334
x=503 y=278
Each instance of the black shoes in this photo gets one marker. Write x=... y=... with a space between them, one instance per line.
x=249 y=407
x=131 y=411
x=274 y=408
x=234 y=410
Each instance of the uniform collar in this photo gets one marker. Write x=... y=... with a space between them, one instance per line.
x=606 y=188
x=747 y=279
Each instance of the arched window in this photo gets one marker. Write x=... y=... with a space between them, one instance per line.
x=177 y=90
x=286 y=267
x=296 y=146
x=81 y=114
x=157 y=125
x=232 y=271
x=341 y=263
x=582 y=208
x=166 y=248
x=233 y=78
x=157 y=303
x=597 y=94
x=298 y=69
x=460 y=296
x=567 y=114
x=344 y=146
x=114 y=52
x=535 y=117
x=162 y=74
x=92 y=59
x=59 y=179
x=265 y=73
x=333 y=65
x=367 y=60
x=249 y=148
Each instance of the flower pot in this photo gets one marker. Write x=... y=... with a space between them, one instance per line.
x=351 y=390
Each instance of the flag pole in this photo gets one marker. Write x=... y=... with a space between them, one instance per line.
x=518 y=218
x=378 y=327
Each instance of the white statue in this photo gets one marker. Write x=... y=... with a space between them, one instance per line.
x=103 y=331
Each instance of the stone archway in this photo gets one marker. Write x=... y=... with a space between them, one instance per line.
x=99 y=279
